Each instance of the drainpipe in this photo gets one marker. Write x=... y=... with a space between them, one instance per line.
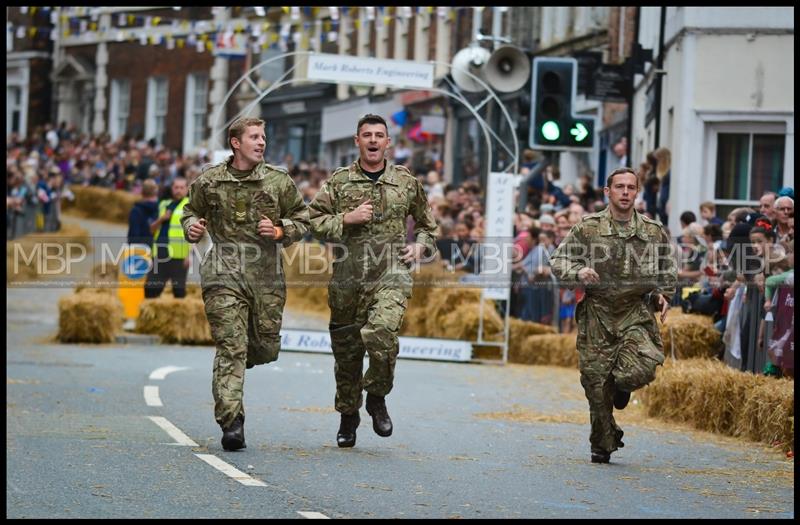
x=633 y=82
x=659 y=76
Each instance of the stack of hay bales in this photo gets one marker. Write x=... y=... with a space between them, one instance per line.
x=104 y=278
x=102 y=203
x=689 y=335
x=181 y=321
x=712 y=396
x=546 y=349
x=307 y=272
x=33 y=256
x=90 y=316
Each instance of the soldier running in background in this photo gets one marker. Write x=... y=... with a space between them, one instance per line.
x=625 y=261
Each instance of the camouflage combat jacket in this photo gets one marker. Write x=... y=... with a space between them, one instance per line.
x=233 y=207
x=634 y=262
x=370 y=252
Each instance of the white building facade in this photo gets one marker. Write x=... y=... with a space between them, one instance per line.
x=727 y=103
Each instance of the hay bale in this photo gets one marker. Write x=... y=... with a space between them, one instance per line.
x=519 y=331
x=429 y=280
x=414 y=323
x=307 y=270
x=89 y=318
x=181 y=321
x=441 y=304
x=81 y=289
x=102 y=203
x=463 y=321
x=546 y=349
x=690 y=335
x=711 y=396
x=36 y=255
x=768 y=413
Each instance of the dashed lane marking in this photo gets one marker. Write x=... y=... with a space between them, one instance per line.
x=164 y=371
x=151 y=396
x=231 y=471
x=173 y=431
x=313 y=515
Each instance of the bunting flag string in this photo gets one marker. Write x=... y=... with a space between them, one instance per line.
x=299 y=27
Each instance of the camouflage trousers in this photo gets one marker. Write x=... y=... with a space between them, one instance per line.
x=364 y=323
x=245 y=325
x=623 y=358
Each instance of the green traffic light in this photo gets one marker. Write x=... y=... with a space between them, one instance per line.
x=550 y=130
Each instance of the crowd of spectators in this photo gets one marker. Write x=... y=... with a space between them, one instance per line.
x=715 y=256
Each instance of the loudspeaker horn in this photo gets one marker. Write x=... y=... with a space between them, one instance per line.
x=470 y=59
x=508 y=69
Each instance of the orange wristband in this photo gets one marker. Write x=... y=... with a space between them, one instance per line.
x=278 y=233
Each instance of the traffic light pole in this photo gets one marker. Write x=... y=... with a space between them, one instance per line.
x=633 y=87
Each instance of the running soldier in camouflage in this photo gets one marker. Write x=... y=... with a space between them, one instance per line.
x=362 y=209
x=625 y=261
x=251 y=210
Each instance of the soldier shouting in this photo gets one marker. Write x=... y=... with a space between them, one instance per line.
x=362 y=209
x=250 y=209
x=625 y=261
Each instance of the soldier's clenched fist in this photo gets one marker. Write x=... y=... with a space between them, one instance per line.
x=197 y=230
x=265 y=227
x=360 y=215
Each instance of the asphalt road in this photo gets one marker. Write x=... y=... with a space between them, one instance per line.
x=86 y=438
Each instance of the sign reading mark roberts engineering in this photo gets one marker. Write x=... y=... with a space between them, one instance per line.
x=326 y=67
x=410 y=347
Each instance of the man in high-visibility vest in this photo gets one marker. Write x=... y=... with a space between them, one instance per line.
x=171 y=252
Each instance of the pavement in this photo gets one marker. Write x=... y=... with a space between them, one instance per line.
x=126 y=430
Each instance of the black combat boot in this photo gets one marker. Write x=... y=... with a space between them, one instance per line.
x=233 y=436
x=600 y=457
x=381 y=423
x=347 y=430
x=621 y=399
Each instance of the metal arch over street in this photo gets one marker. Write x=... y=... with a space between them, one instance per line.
x=513 y=167
x=218 y=128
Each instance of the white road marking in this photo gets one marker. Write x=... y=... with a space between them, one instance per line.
x=151 y=396
x=161 y=373
x=173 y=431
x=231 y=471
x=313 y=515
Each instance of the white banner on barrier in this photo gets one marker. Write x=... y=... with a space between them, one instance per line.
x=499 y=227
x=410 y=347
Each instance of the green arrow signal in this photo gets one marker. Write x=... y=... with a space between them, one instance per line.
x=579 y=131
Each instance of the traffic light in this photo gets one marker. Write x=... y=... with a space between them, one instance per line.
x=553 y=125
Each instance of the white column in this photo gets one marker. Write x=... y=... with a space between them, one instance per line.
x=400 y=37
x=363 y=33
x=422 y=36
x=101 y=80
x=685 y=187
x=344 y=49
x=300 y=72
x=219 y=86
x=382 y=45
x=443 y=29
